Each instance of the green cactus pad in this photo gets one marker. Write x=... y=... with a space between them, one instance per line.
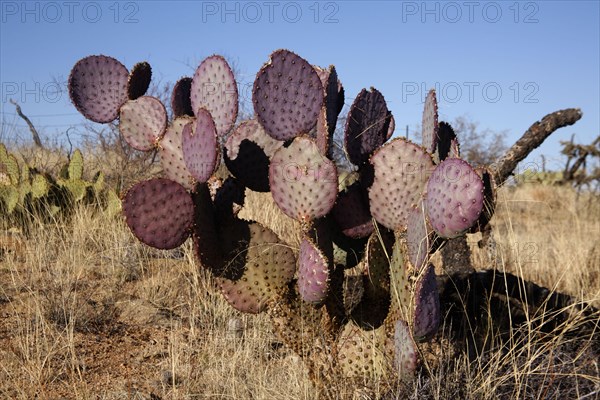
x=181 y=104
x=25 y=173
x=447 y=140
x=75 y=168
x=171 y=153
x=287 y=96
x=367 y=125
x=12 y=169
x=267 y=267
x=303 y=182
x=429 y=133
x=248 y=151
x=98 y=87
x=405 y=359
x=3 y=153
x=139 y=80
x=143 y=122
x=322 y=137
x=24 y=192
x=351 y=212
x=426 y=319
x=113 y=203
x=400 y=286
x=401 y=171
x=454 y=197
x=418 y=236
x=200 y=146
x=296 y=323
x=159 y=212
x=4 y=179
x=364 y=354
x=98 y=183
x=214 y=88
x=10 y=197
x=313 y=272
x=39 y=186
x=377 y=260
x=77 y=189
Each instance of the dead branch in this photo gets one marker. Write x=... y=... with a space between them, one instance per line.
x=533 y=138
x=580 y=153
x=34 y=132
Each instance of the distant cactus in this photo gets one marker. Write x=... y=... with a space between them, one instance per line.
x=25 y=190
x=22 y=186
x=360 y=291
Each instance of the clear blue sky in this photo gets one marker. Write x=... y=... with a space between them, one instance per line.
x=504 y=64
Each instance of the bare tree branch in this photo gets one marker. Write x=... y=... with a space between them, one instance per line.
x=533 y=138
x=34 y=132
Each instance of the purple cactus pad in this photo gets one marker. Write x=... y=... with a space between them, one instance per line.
x=313 y=273
x=351 y=212
x=143 y=122
x=159 y=212
x=334 y=94
x=489 y=199
x=171 y=153
x=98 y=87
x=247 y=155
x=367 y=125
x=427 y=305
x=180 y=98
x=287 y=96
x=200 y=147
x=405 y=351
x=139 y=80
x=303 y=183
x=446 y=138
x=214 y=88
x=401 y=171
x=454 y=197
x=429 y=132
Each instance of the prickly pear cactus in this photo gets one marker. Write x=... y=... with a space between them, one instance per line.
x=25 y=191
x=360 y=291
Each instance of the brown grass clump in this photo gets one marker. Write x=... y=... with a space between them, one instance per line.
x=545 y=234
x=86 y=311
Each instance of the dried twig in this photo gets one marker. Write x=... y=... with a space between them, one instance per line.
x=34 y=132
x=533 y=138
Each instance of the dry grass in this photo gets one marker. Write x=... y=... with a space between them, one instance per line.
x=545 y=234
x=88 y=312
